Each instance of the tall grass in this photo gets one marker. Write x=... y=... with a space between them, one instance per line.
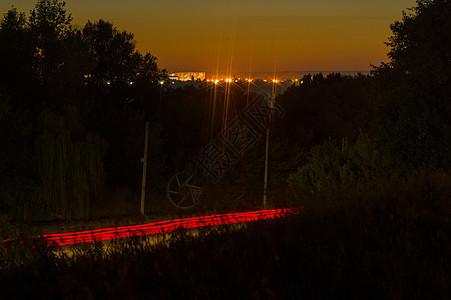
x=391 y=240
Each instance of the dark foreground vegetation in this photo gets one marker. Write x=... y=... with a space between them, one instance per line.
x=367 y=156
x=392 y=241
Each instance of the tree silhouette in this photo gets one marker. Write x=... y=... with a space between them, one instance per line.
x=17 y=53
x=413 y=124
x=420 y=43
x=46 y=57
x=116 y=57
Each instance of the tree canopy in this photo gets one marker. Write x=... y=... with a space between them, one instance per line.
x=53 y=79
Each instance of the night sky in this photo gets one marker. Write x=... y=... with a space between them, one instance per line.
x=239 y=36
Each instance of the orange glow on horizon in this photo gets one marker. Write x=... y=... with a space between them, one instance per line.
x=311 y=35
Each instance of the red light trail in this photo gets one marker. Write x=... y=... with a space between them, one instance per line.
x=111 y=233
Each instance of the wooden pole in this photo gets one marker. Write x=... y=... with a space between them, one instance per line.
x=265 y=186
x=143 y=185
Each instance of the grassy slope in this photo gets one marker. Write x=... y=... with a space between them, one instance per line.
x=392 y=242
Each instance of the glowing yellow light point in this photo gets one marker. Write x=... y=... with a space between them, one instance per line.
x=161 y=82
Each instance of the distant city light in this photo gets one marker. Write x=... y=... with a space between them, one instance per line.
x=187 y=76
x=226 y=80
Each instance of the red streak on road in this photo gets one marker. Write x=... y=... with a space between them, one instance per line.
x=111 y=233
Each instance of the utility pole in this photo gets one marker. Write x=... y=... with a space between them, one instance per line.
x=265 y=184
x=144 y=161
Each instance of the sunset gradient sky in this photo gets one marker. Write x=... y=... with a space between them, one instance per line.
x=289 y=35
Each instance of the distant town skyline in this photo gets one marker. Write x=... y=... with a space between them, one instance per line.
x=241 y=36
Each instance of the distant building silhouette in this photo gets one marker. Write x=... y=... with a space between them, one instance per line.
x=185 y=76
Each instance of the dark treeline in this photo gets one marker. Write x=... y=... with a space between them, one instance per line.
x=74 y=102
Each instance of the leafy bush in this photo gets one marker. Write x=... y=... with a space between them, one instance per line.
x=329 y=167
